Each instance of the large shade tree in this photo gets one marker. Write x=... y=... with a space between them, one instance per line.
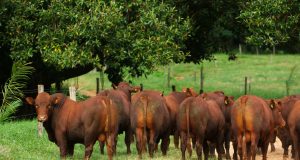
x=67 y=38
x=269 y=22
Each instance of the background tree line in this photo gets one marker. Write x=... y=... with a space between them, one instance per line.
x=64 y=39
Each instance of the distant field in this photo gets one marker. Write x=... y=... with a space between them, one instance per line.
x=268 y=75
x=19 y=140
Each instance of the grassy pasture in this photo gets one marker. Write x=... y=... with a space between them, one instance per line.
x=19 y=140
x=268 y=75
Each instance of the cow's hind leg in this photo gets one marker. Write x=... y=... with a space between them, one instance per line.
x=165 y=145
x=151 y=144
x=128 y=136
x=88 y=150
x=101 y=146
x=183 y=142
x=139 y=141
x=235 y=154
x=240 y=146
x=70 y=149
x=199 y=148
x=206 y=149
x=111 y=145
x=176 y=139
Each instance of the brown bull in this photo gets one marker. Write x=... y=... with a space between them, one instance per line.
x=151 y=121
x=225 y=103
x=121 y=96
x=173 y=101
x=203 y=121
x=68 y=122
x=284 y=133
x=253 y=123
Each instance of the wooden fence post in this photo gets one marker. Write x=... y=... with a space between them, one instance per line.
x=249 y=85
x=97 y=85
x=102 y=78
x=201 y=79
x=72 y=92
x=169 y=76
x=246 y=85
x=40 y=124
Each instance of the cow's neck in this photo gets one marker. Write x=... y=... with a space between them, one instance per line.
x=127 y=93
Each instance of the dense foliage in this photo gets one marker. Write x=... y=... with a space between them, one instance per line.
x=64 y=39
x=119 y=35
x=270 y=22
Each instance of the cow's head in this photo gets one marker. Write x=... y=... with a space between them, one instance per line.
x=276 y=107
x=125 y=86
x=228 y=101
x=190 y=92
x=42 y=104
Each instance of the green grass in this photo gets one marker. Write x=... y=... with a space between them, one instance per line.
x=268 y=74
x=19 y=140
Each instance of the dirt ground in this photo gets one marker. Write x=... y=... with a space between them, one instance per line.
x=277 y=155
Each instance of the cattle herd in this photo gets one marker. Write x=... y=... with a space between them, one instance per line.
x=205 y=123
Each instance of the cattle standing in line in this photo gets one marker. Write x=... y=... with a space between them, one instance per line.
x=68 y=122
x=173 y=101
x=253 y=122
x=294 y=126
x=121 y=96
x=225 y=103
x=151 y=121
x=203 y=121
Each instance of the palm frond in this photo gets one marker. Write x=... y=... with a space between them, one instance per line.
x=9 y=109
x=12 y=90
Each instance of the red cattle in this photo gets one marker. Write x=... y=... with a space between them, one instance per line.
x=173 y=101
x=203 y=121
x=253 y=122
x=68 y=122
x=294 y=126
x=225 y=103
x=121 y=96
x=283 y=134
x=151 y=121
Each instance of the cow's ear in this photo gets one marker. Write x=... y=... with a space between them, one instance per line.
x=204 y=96
x=226 y=100
x=30 y=100
x=162 y=93
x=114 y=86
x=189 y=92
x=55 y=99
x=272 y=104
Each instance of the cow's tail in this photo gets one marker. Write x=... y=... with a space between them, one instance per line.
x=244 y=138
x=109 y=116
x=144 y=100
x=189 y=146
